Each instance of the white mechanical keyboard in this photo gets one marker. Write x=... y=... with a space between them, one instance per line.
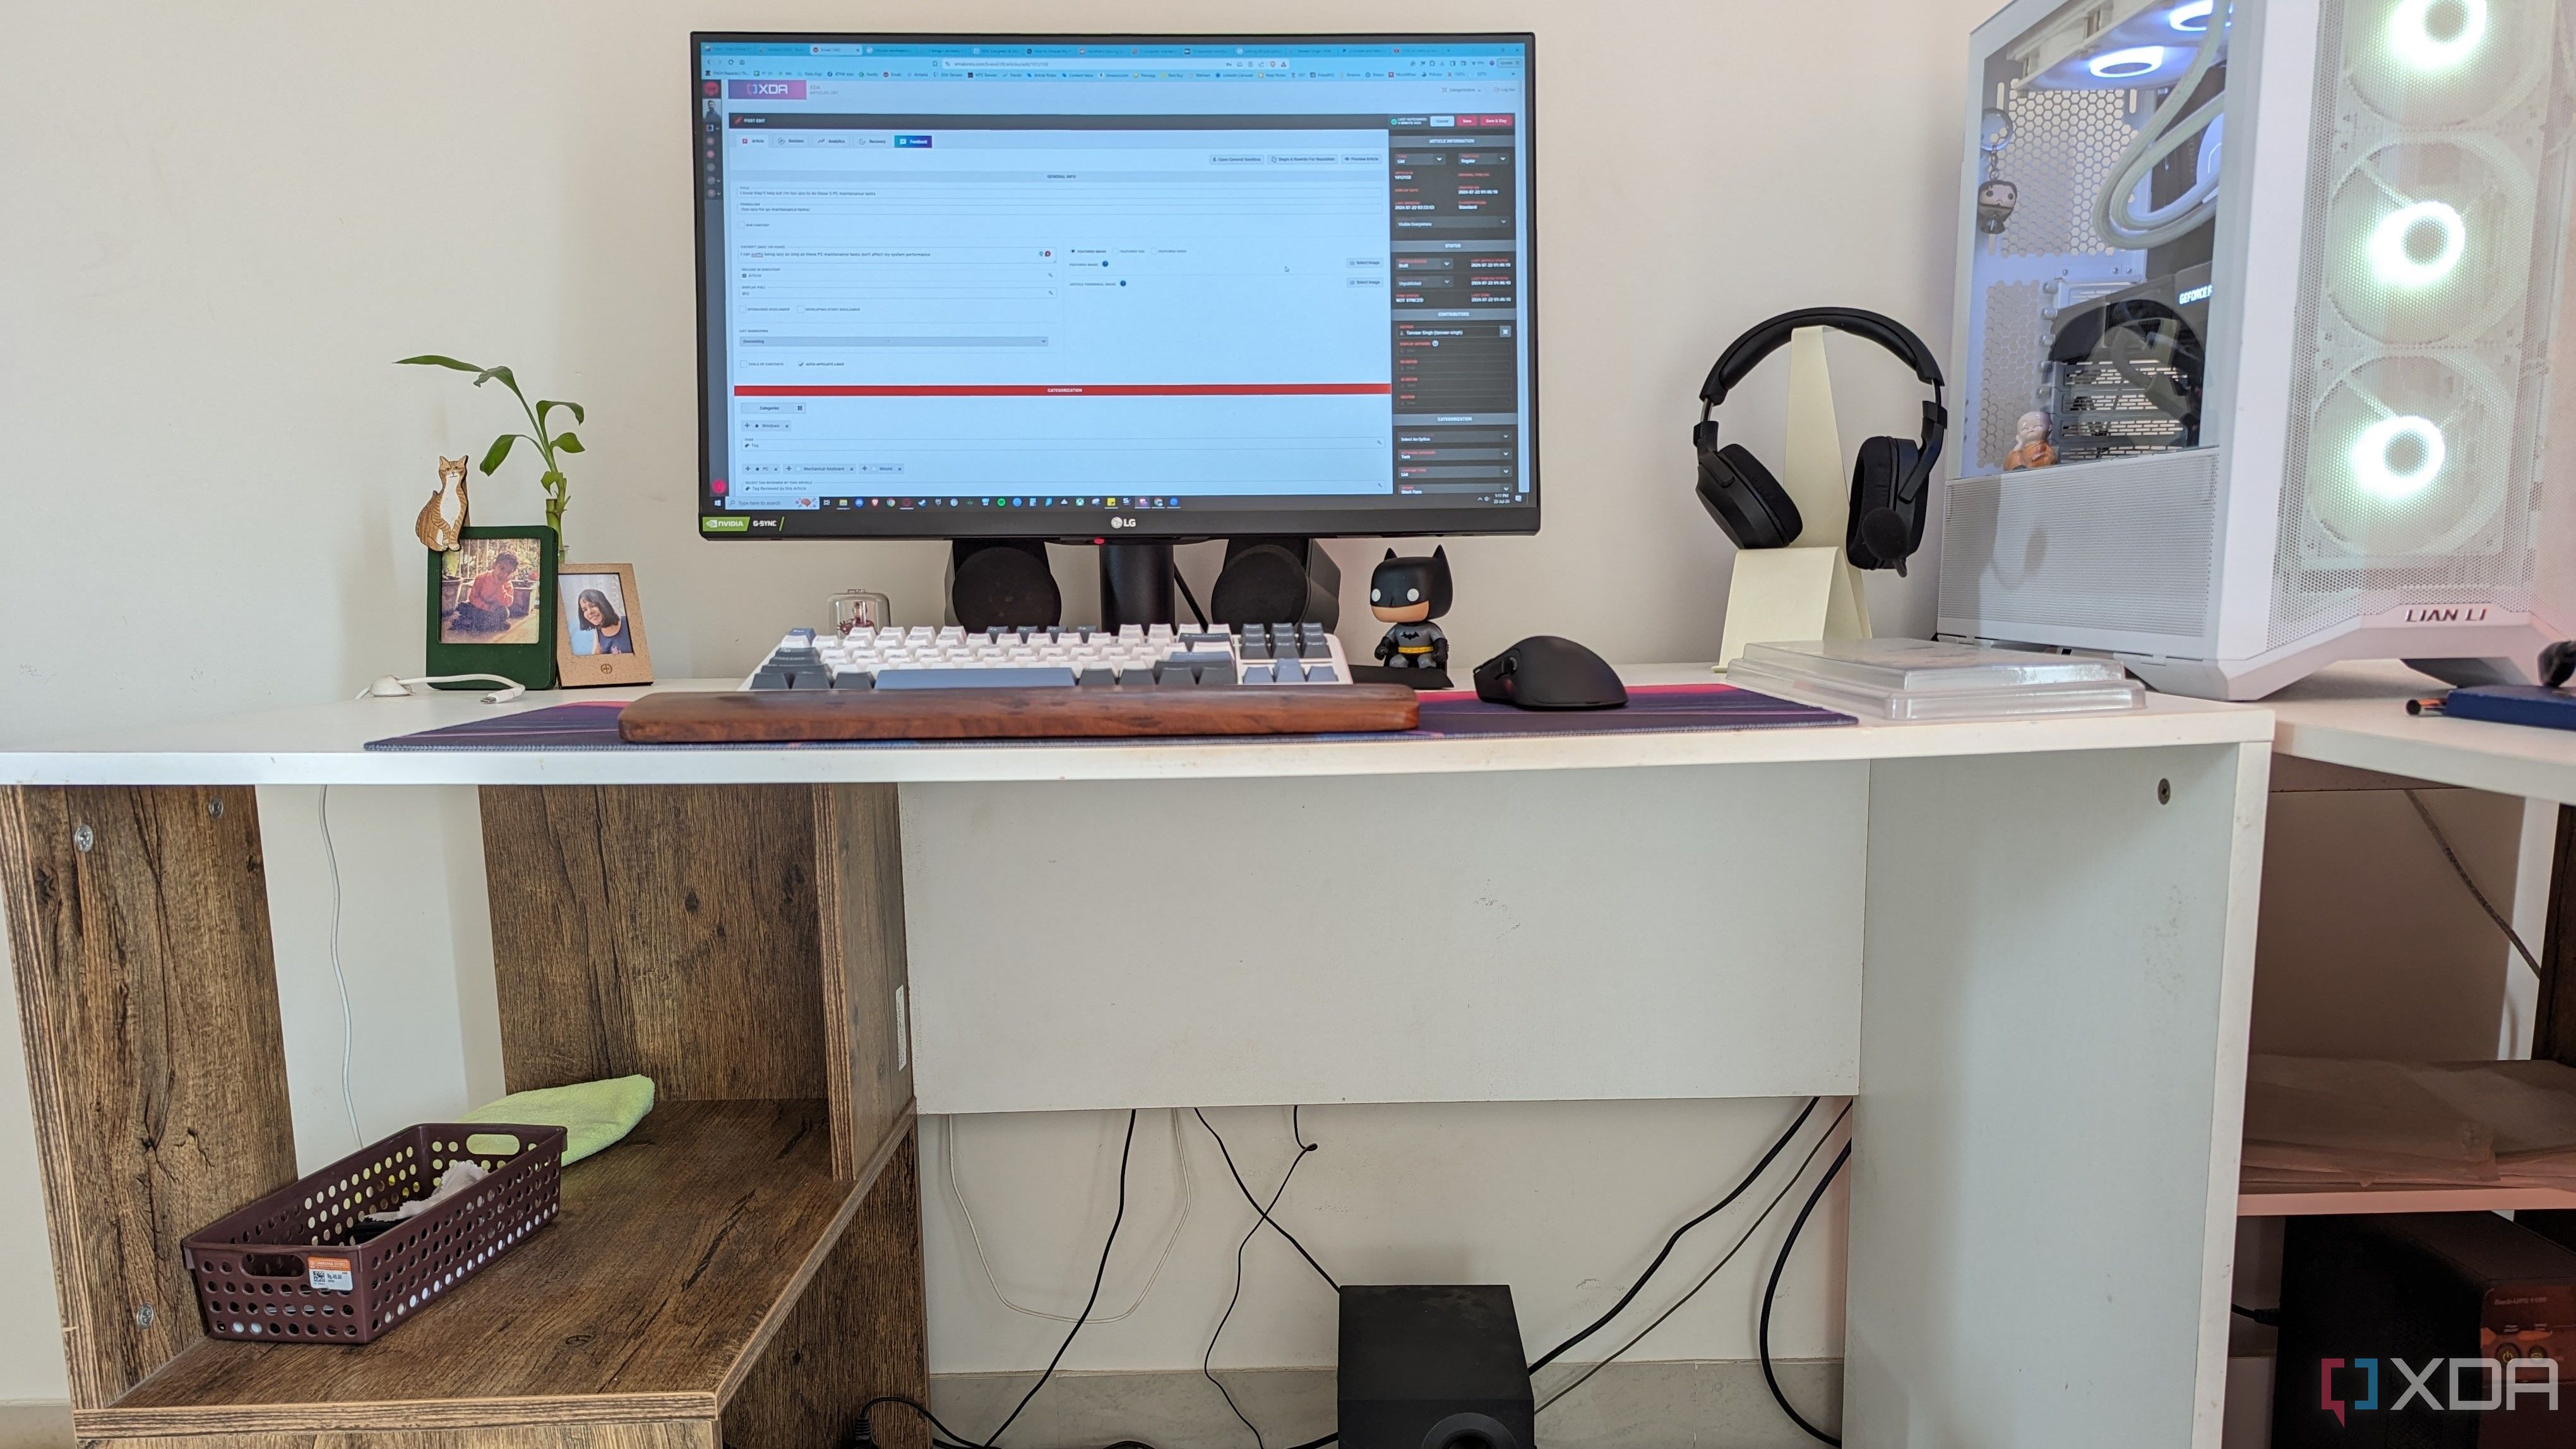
x=1158 y=656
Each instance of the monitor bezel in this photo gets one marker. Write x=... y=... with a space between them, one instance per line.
x=1104 y=525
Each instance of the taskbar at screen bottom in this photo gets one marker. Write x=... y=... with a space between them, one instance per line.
x=1409 y=519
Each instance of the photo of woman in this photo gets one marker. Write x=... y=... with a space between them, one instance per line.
x=598 y=625
x=602 y=638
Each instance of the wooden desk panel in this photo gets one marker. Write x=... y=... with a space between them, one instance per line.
x=138 y=928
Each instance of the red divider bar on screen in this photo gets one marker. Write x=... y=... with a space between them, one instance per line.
x=1090 y=389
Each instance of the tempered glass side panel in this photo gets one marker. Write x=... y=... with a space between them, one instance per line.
x=2096 y=209
x=2434 y=241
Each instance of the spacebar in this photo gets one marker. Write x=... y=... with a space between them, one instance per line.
x=1028 y=678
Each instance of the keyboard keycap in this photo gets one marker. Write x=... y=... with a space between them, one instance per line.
x=1287 y=672
x=853 y=679
x=1322 y=674
x=1095 y=676
x=1000 y=678
x=1257 y=674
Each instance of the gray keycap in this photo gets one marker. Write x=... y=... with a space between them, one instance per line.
x=809 y=679
x=1097 y=675
x=1255 y=648
x=1288 y=672
x=767 y=678
x=1322 y=674
x=1314 y=649
x=854 y=679
x=1216 y=674
x=1257 y=674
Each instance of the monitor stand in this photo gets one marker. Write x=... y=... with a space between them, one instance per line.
x=1135 y=584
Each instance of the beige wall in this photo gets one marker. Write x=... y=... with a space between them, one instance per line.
x=221 y=223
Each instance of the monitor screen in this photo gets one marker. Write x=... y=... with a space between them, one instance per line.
x=1076 y=288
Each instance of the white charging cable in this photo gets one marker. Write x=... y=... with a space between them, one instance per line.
x=348 y=1017
x=388 y=687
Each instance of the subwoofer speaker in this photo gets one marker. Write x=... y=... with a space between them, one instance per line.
x=1002 y=581
x=1432 y=1368
x=1277 y=580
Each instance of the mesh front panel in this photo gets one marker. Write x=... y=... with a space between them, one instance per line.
x=2429 y=281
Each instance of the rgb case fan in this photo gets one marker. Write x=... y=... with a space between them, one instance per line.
x=2282 y=282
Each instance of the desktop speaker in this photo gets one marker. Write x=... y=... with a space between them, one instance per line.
x=1433 y=1368
x=1277 y=581
x=1002 y=581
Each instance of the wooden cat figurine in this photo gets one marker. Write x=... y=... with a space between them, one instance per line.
x=441 y=524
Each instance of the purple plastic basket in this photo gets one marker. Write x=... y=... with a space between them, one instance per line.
x=282 y=1271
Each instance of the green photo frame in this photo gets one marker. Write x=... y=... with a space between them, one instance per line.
x=492 y=606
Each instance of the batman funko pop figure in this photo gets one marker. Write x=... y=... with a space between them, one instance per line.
x=1409 y=593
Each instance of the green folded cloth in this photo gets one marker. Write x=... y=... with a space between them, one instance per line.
x=593 y=1114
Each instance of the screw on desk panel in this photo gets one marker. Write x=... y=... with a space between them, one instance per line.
x=143 y=1316
x=215 y=808
x=2164 y=792
x=82 y=838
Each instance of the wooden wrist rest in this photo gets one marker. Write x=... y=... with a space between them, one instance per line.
x=681 y=717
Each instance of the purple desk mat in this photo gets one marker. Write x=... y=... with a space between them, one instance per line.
x=1446 y=715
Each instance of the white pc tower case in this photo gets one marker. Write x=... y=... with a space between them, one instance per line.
x=2282 y=283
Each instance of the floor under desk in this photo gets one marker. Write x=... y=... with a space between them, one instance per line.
x=2027 y=948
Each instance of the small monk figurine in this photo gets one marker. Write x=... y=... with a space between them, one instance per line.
x=2033 y=450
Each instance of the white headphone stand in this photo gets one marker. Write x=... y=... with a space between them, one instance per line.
x=1809 y=590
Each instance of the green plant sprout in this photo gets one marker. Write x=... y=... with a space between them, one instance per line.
x=558 y=488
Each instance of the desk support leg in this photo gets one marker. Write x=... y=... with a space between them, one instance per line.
x=2056 y=986
x=138 y=933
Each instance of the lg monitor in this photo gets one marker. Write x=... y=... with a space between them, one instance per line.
x=1114 y=288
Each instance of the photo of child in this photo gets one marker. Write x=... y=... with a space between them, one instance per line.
x=487 y=591
x=597 y=617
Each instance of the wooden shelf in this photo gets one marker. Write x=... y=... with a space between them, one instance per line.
x=677 y=1255
x=2271 y=1201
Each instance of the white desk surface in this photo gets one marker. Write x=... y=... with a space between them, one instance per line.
x=324 y=744
x=2355 y=714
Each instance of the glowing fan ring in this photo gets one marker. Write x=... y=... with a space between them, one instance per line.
x=2381 y=479
x=2394 y=259
x=2411 y=37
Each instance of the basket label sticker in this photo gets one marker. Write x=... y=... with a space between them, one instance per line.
x=330 y=1275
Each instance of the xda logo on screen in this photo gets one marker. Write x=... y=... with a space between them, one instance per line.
x=2473 y=1385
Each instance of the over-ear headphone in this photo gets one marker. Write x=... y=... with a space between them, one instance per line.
x=1891 y=479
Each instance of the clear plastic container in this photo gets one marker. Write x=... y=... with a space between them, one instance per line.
x=1922 y=679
